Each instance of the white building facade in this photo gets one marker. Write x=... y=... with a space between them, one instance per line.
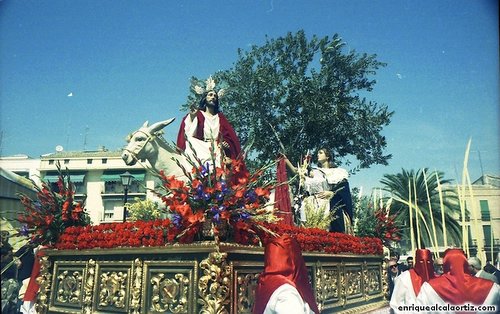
x=96 y=175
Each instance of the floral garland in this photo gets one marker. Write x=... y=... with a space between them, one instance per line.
x=164 y=232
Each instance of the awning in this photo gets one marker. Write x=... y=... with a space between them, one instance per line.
x=75 y=178
x=115 y=177
x=111 y=178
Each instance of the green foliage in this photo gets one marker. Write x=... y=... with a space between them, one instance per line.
x=144 y=210
x=397 y=185
x=310 y=91
x=364 y=215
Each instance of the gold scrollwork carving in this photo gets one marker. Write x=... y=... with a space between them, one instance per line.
x=113 y=289
x=44 y=280
x=89 y=286
x=342 y=285
x=373 y=281
x=353 y=282
x=69 y=287
x=135 y=303
x=318 y=286
x=247 y=284
x=215 y=284
x=170 y=294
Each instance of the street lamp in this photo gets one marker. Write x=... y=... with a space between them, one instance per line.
x=126 y=180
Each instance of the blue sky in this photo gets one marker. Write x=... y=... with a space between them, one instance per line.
x=125 y=62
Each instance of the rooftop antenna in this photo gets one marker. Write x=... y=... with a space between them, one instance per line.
x=85 y=138
x=481 y=165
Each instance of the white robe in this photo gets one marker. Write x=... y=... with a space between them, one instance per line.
x=403 y=293
x=287 y=300
x=202 y=149
x=428 y=296
x=321 y=180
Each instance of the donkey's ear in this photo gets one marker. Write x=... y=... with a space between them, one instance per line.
x=167 y=122
x=145 y=125
x=155 y=127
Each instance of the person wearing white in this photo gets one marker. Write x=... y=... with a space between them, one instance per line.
x=457 y=287
x=329 y=193
x=408 y=284
x=286 y=299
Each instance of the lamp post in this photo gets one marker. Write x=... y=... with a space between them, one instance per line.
x=126 y=180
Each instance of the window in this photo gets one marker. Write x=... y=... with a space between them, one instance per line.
x=485 y=210
x=24 y=174
x=113 y=183
x=467 y=213
x=89 y=161
x=487 y=235
x=104 y=161
x=66 y=161
x=109 y=213
x=51 y=161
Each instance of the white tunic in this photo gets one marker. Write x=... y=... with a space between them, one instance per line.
x=320 y=180
x=403 y=293
x=202 y=149
x=287 y=300
x=428 y=296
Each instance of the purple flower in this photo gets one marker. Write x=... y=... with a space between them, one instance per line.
x=199 y=190
x=206 y=196
x=252 y=197
x=24 y=231
x=37 y=205
x=244 y=215
x=205 y=169
x=224 y=188
x=177 y=220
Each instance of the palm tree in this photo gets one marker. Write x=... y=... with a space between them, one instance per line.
x=428 y=203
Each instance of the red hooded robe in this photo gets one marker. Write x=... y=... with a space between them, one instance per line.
x=283 y=264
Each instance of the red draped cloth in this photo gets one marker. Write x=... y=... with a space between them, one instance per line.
x=33 y=286
x=283 y=264
x=282 y=194
x=456 y=285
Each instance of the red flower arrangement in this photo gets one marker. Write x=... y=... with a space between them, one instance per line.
x=164 y=232
x=220 y=198
x=216 y=198
x=385 y=227
x=51 y=212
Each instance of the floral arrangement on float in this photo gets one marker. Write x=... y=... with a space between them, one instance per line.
x=383 y=227
x=52 y=211
x=218 y=202
x=163 y=232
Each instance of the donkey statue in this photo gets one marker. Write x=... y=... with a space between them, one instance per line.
x=147 y=144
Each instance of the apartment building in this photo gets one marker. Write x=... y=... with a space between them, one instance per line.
x=96 y=175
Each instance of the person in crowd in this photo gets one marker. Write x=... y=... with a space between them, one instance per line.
x=396 y=256
x=456 y=286
x=409 y=262
x=438 y=266
x=489 y=268
x=407 y=285
x=476 y=269
x=205 y=126
x=392 y=273
x=328 y=190
x=9 y=283
x=284 y=286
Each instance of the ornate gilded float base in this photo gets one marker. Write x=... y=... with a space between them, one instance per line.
x=195 y=278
